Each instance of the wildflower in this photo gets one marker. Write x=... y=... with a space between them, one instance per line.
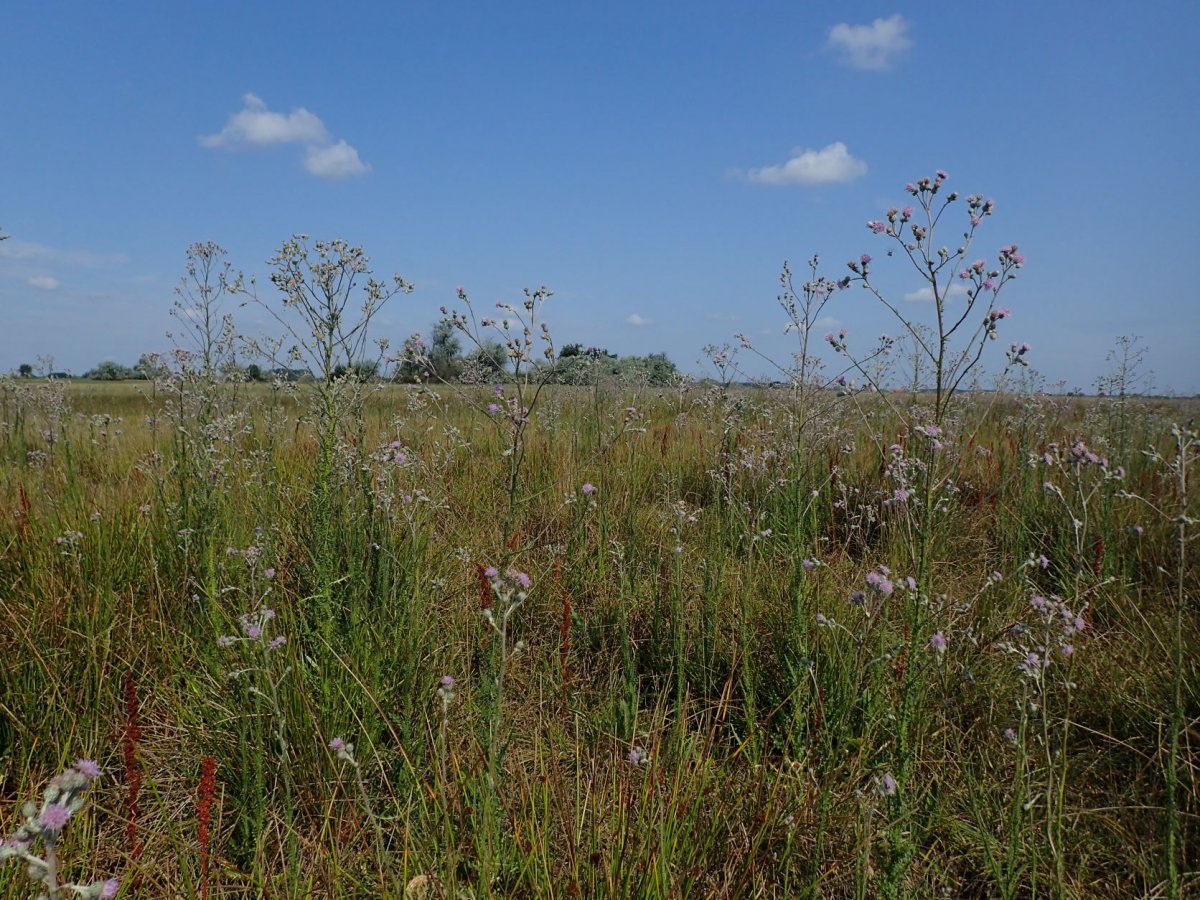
x=447 y=681
x=226 y=640
x=87 y=768
x=809 y=564
x=821 y=619
x=938 y=643
x=885 y=785
x=858 y=598
x=1010 y=735
x=491 y=572
x=277 y=642
x=253 y=632
x=269 y=573
x=54 y=817
x=337 y=744
x=1067 y=649
x=588 y=488
x=637 y=756
x=110 y=889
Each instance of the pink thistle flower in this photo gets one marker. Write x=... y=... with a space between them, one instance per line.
x=886 y=785
x=87 y=768
x=54 y=817
x=588 y=488
x=938 y=642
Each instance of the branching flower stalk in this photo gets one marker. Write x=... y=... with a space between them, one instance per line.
x=62 y=799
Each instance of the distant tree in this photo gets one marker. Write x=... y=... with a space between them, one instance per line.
x=445 y=351
x=254 y=372
x=491 y=358
x=110 y=371
x=151 y=366
x=25 y=370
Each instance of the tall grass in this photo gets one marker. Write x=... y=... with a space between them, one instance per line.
x=701 y=705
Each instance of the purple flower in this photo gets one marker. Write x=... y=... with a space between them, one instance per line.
x=270 y=573
x=337 y=744
x=110 y=889
x=226 y=640
x=938 y=642
x=491 y=572
x=886 y=785
x=942 y=175
x=809 y=565
x=277 y=642
x=520 y=578
x=447 y=681
x=821 y=620
x=1010 y=735
x=87 y=768
x=588 y=488
x=865 y=258
x=253 y=631
x=493 y=408
x=636 y=756
x=54 y=817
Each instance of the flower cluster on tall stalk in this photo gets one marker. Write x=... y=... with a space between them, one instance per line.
x=43 y=824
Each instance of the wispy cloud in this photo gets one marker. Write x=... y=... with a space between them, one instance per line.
x=925 y=294
x=636 y=319
x=874 y=47
x=338 y=160
x=256 y=126
x=43 y=282
x=829 y=165
x=33 y=252
x=721 y=317
x=827 y=322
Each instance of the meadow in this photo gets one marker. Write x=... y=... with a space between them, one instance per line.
x=422 y=626
x=708 y=641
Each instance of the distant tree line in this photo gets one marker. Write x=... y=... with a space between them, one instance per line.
x=442 y=359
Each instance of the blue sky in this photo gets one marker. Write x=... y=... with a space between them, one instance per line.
x=632 y=156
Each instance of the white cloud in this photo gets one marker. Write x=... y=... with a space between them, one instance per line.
x=636 y=319
x=256 y=126
x=831 y=164
x=925 y=294
x=43 y=282
x=31 y=251
x=873 y=47
x=338 y=160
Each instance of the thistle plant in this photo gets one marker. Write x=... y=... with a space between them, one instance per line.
x=327 y=301
x=914 y=231
x=1177 y=465
x=43 y=824
x=529 y=345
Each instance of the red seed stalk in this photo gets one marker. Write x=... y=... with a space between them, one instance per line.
x=208 y=786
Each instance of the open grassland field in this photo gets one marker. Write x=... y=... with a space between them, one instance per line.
x=706 y=642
